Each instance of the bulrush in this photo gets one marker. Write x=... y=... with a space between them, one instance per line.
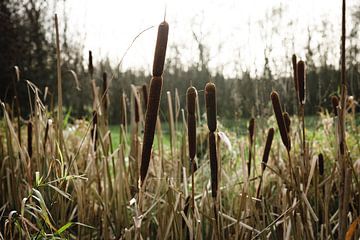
x=321 y=164
x=280 y=119
x=301 y=80
x=191 y=95
x=294 y=64
x=145 y=94
x=210 y=101
x=90 y=65
x=267 y=148
x=154 y=98
x=335 y=104
x=29 y=133
x=251 y=140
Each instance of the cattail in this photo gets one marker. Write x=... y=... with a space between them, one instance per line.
x=160 y=50
x=191 y=95
x=105 y=90
x=46 y=133
x=251 y=129
x=267 y=148
x=145 y=94
x=136 y=106
x=301 y=81
x=294 y=64
x=213 y=164
x=321 y=164
x=150 y=123
x=280 y=119
x=93 y=130
x=335 y=104
x=210 y=101
x=29 y=133
x=287 y=121
x=90 y=66
x=154 y=98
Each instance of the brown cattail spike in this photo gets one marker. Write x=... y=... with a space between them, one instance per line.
x=210 y=101
x=321 y=164
x=29 y=132
x=160 y=50
x=335 y=104
x=213 y=165
x=294 y=64
x=191 y=95
x=150 y=123
x=136 y=106
x=90 y=66
x=267 y=148
x=287 y=121
x=280 y=119
x=145 y=95
x=301 y=81
x=251 y=139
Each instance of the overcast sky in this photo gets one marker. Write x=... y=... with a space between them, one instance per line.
x=229 y=28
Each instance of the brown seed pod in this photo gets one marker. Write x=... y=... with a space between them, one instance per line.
x=29 y=132
x=160 y=49
x=145 y=95
x=105 y=89
x=321 y=164
x=267 y=148
x=287 y=121
x=150 y=123
x=191 y=95
x=335 y=104
x=301 y=81
x=294 y=64
x=251 y=129
x=90 y=65
x=136 y=106
x=213 y=164
x=210 y=101
x=280 y=119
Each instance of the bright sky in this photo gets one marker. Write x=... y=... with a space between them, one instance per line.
x=230 y=29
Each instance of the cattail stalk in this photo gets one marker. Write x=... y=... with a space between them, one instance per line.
x=211 y=112
x=251 y=129
x=269 y=139
x=154 y=99
x=191 y=96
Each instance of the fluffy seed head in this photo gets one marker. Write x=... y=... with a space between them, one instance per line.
x=210 y=101
x=160 y=49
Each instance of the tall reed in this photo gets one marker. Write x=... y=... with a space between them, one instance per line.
x=154 y=98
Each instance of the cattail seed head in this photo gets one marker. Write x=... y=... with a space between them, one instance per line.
x=213 y=164
x=287 y=121
x=335 y=104
x=191 y=95
x=321 y=164
x=280 y=119
x=294 y=64
x=136 y=106
x=145 y=94
x=90 y=65
x=150 y=124
x=251 y=129
x=160 y=49
x=301 y=81
x=267 y=148
x=29 y=132
x=105 y=89
x=210 y=101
